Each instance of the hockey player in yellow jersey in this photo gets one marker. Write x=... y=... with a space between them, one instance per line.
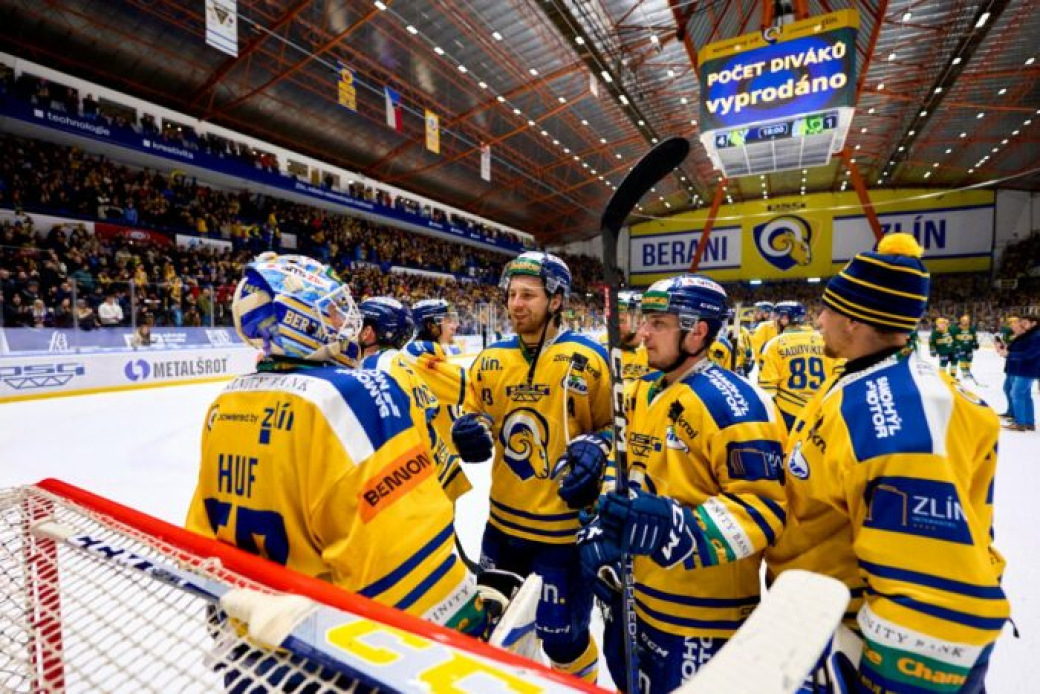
x=428 y=356
x=323 y=468
x=388 y=326
x=532 y=394
x=794 y=365
x=764 y=331
x=889 y=480
x=735 y=357
x=705 y=496
x=633 y=353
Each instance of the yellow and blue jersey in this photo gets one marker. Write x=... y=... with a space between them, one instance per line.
x=889 y=481
x=763 y=333
x=438 y=415
x=326 y=471
x=712 y=442
x=634 y=362
x=568 y=395
x=794 y=367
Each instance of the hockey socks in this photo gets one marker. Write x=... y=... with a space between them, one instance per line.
x=585 y=666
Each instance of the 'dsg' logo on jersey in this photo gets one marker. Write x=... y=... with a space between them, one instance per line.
x=785 y=241
x=524 y=437
x=527 y=392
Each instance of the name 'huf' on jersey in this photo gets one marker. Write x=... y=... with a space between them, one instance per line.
x=364 y=471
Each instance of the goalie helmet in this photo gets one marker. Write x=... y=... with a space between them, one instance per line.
x=554 y=273
x=692 y=298
x=294 y=306
x=390 y=319
x=794 y=311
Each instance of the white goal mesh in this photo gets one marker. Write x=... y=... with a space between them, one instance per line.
x=95 y=597
x=72 y=621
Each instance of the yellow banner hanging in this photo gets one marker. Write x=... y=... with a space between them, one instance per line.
x=347 y=89
x=433 y=132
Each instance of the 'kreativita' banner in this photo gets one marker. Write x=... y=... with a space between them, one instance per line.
x=814 y=235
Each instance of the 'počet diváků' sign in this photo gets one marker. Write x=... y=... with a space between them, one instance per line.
x=801 y=68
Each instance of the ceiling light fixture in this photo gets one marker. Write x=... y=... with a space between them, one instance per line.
x=534 y=72
x=982 y=20
x=497 y=36
x=438 y=50
x=957 y=60
x=412 y=30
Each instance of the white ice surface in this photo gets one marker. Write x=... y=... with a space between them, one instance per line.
x=140 y=448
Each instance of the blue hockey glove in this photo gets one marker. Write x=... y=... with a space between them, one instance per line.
x=646 y=524
x=580 y=469
x=600 y=559
x=471 y=434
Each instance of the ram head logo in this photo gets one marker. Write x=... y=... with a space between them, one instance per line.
x=785 y=241
x=524 y=437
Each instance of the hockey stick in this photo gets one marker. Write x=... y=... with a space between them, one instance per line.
x=327 y=636
x=655 y=165
x=781 y=642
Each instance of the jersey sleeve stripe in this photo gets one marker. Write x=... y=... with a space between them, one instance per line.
x=687 y=622
x=906 y=576
x=684 y=599
x=776 y=509
x=424 y=586
x=548 y=517
x=946 y=614
x=394 y=577
x=566 y=532
x=755 y=516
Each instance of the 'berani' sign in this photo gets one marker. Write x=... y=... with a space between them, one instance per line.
x=801 y=68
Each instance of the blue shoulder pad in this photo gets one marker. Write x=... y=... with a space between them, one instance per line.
x=728 y=398
x=884 y=414
x=417 y=348
x=380 y=406
x=579 y=339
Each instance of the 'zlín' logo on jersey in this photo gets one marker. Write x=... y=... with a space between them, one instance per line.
x=785 y=241
x=524 y=436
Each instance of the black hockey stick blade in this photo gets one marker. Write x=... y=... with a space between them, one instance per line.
x=655 y=165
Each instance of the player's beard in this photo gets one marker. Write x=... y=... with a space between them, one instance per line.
x=530 y=324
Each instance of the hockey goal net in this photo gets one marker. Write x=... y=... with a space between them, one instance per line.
x=96 y=597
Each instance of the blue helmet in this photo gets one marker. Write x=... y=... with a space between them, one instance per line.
x=794 y=311
x=391 y=320
x=293 y=306
x=764 y=306
x=554 y=273
x=434 y=310
x=692 y=298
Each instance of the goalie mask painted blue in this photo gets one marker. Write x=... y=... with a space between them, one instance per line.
x=293 y=306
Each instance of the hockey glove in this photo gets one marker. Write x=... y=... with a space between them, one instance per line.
x=645 y=524
x=580 y=469
x=600 y=559
x=471 y=434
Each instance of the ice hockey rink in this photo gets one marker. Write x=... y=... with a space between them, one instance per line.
x=139 y=448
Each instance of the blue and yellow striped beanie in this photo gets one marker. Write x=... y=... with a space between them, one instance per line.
x=886 y=288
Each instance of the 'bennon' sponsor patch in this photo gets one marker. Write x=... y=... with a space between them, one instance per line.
x=393 y=482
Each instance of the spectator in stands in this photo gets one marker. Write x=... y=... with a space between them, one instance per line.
x=110 y=313
x=63 y=314
x=142 y=336
x=16 y=313
x=85 y=318
x=41 y=315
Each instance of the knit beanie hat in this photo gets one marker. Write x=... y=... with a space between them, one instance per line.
x=886 y=288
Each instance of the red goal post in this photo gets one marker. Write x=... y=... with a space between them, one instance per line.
x=95 y=596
